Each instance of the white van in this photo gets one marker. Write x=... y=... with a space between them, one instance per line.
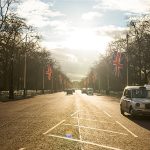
x=89 y=91
x=135 y=100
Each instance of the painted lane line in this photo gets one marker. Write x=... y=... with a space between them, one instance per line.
x=22 y=148
x=97 y=121
x=54 y=127
x=84 y=142
x=74 y=113
x=93 y=112
x=79 y=130
x=126 y=129
x=78 y=121
x=97 y=129
x=109 y=131
x=92 y=116
x=79 y=127
x=93 y=120
x=107 y=114
x=68 y=124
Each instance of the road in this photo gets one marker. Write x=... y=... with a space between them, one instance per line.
x=70 y=122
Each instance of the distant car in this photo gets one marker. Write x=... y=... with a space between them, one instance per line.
x=69 y=91
x=73 y=90
x=83 y=90
x=135 y=100
x=89 y=91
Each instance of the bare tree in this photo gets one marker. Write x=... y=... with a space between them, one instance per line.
x=4 y=10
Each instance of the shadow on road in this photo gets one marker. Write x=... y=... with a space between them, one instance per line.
x=6 y=99
x=143 y=121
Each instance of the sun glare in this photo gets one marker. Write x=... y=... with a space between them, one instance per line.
x=87 y=40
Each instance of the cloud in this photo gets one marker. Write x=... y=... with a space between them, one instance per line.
x=60 y=25
x=91 y=15
x=111 y=31
x=133 y=6
x=70 y=63
x=64 y=56
x=37 y=12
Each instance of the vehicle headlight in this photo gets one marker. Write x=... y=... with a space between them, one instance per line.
x=137 y=104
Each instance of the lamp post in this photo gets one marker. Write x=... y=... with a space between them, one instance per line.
x=25 y=69
x=132 y=23
x=127 y=37
x=43 y=80
x=25 y=64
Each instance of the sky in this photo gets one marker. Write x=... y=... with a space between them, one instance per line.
x=77 y=31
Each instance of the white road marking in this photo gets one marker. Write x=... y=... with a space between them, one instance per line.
x=22 y=148
x=74 y=113
x=91 y=112
x=126 y=129
x=84 y=142
x=97 y=121
x=54 y=127
x=92 y=120
x=79 y=127
x=91 y=128
x=107 y=114
x=79 y=130
x=93 y=116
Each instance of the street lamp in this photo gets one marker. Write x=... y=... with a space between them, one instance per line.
x=127 y=37
x=25 y=68
x=25 y=63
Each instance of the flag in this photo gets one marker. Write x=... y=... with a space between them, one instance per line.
x=118 y=61
x=49 y=72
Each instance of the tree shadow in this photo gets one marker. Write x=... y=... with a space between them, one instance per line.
x=143 y=121
x=16 y=98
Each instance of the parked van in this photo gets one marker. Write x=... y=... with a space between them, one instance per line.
x=135 y=100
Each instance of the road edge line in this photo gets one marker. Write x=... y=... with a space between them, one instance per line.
x=126 y=129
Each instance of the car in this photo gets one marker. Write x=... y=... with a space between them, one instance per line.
x=135 y=101
x=89 y=91
x=83 y=90
x=73 y=90
x=69 y=91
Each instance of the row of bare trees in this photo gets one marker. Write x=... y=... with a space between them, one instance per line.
x=134 y=45
x=22 y=60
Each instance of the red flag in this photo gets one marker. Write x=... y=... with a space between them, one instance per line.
x=117 y=64
x=49 y=72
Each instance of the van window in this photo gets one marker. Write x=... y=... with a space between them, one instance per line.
x=148 y=93
x=127 y=93
x=139 y=93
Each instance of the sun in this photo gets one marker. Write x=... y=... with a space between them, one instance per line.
x=87 y=40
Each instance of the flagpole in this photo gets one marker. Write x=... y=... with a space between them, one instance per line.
x=25 y=69
x=99 y=84
x=25 y=72
x=43 y=81
x=52 y=84
x=127 y=36
x=108 y=84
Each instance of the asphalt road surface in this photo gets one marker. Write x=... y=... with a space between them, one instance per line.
x=70 y=122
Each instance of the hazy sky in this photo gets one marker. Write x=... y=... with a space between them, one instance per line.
x=77 y=31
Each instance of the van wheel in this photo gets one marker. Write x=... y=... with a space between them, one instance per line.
x=131 y=112
x=121 y=110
